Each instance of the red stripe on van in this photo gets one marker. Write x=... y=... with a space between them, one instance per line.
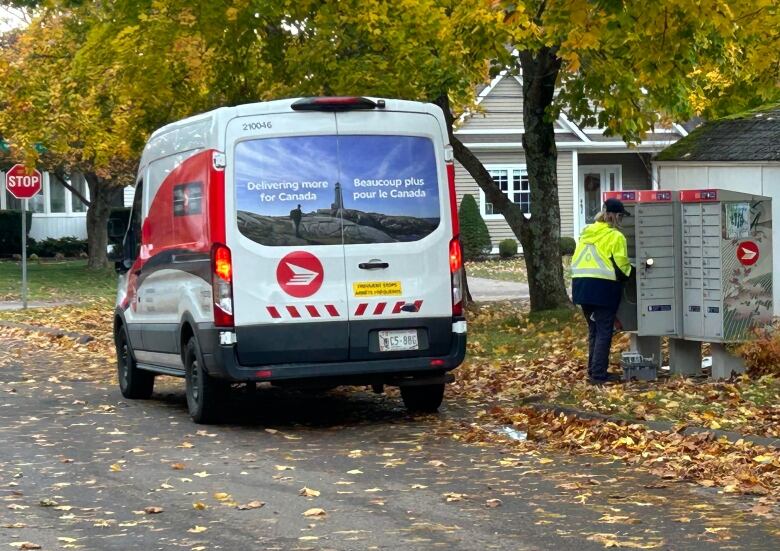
x=361 y=309
x=380 y=307
x=418 y=304
x=332 y=310
x=216 y=201
x=294 y=311
x=312 y=311
x=274 y=312
x=397 y=307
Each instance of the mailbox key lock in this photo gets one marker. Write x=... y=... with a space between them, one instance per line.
x=649 y=262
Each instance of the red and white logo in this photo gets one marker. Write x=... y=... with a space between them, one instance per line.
x=300 y=274
x=747 y=253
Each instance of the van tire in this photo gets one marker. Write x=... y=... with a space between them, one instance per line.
x=204 y=393
x=423 y=398
x=134 y=383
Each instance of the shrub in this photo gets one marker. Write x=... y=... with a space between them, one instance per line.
x=473 y=231
x=567 y=246
x=762 y=355
x=65 y=246
x=11 y=231
x=507 y=248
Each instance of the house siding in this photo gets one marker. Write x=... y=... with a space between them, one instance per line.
x=498 y=228
x=502 y=108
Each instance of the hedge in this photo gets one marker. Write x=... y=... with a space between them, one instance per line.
x=11 y=231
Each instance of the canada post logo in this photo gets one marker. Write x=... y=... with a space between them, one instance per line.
x=300 y=274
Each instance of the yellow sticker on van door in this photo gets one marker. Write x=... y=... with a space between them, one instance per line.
x=376 y=288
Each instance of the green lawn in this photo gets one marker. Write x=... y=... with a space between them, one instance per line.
x=65 y=280
x=508 y=269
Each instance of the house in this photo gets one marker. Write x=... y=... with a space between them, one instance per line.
x=57 y=212
x=738 y=153
x=589 y=163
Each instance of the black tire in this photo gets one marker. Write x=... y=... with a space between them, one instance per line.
x=134 y=383
x=423 y=398
x=204 y=393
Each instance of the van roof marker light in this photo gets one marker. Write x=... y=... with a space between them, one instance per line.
x=336 y=103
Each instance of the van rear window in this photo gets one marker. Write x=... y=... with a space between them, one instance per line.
x=320 y=190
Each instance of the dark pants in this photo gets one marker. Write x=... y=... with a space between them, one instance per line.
x=601 y=322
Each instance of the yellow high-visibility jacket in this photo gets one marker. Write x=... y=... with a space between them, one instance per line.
x=598 y=246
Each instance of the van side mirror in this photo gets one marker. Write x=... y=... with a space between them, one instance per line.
x=117 y=223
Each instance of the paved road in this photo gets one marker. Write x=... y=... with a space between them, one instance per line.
x=79 y=464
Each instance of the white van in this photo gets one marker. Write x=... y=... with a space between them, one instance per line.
x=302 y=242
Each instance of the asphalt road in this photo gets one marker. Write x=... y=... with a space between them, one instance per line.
x=79 y=465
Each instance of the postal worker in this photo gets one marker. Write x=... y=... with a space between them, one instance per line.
x=599 y=267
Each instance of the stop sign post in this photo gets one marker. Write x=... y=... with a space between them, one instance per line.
x=23 y=184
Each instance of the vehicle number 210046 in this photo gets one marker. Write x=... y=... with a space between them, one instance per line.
x=391 y=341
x=261 y=125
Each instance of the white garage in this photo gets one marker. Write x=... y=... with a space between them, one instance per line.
x=739 y=153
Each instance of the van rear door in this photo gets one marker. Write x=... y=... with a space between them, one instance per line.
x=397 y=231
x=290 y=302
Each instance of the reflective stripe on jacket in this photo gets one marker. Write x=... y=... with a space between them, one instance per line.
x=600 y=245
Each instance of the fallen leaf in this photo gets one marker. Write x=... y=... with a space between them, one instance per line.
x=251 y=505
x=153 y=510
x=47 y=502
x=452 y=496
x=197 y=529
x=177 y=466
x=116 y=467
x=315 y=512
x=186 y=445
x=308 y=492
x=493 y=503
x=199 y=506
x=221 y=496
x=437 y=463
x=202 y=474
x=284 y=468
x=355 y=471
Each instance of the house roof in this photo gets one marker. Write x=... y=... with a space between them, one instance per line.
x=752 y=136
x=500 y=121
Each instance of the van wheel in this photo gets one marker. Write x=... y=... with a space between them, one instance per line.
x=423 y=398
x=134 y=383
x=204 y=393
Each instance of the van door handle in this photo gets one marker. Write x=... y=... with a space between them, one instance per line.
x=373 y=265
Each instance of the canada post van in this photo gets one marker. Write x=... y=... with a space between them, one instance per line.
x=309 y=242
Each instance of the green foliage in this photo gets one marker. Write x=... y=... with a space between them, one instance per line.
x=567 y=245
x=507 y=248
x=11 y=231
x=473 y=231
x=70 y=247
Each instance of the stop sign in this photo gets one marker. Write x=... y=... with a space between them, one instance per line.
x=23 y=184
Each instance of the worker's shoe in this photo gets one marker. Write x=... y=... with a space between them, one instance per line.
x=610 y=379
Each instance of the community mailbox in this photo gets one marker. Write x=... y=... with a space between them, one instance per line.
x=658 y=263
x=727 y=264
x=627 y=311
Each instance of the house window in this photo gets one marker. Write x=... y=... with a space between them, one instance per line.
x=56 y=195
x=78 y=182
x=513 y=181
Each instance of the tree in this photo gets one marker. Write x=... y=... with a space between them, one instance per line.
x=620 y=64
x=473 y=231
x=63 y=124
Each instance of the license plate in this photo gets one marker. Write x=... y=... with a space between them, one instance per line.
x=393 y=341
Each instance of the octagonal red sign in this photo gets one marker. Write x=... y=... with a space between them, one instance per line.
x=22 y=183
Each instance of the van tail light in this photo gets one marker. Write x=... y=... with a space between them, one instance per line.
x=453 y=199
x=222 y=285
x=458 y=277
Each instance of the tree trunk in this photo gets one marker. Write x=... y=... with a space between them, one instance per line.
x=541 y=240
x=102 y=196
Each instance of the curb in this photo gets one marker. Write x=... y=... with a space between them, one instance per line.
x=80 y=338
x=658 y=426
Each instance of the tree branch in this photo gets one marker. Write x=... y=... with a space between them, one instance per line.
x=60 y=175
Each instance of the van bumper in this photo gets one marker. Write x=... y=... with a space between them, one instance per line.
x=221 y=361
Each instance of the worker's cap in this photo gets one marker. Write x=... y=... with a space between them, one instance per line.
x=616 y=206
